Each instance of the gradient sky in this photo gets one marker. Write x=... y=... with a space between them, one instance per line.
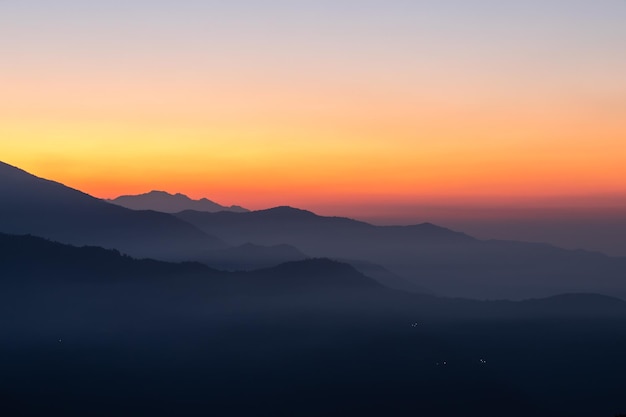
x=318 y=104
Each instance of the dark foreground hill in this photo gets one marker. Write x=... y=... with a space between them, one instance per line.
x=249 y=256
x=29 y=204
x=87 y=331
x=29 y=260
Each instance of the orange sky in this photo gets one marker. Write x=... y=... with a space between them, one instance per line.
x=367 y=115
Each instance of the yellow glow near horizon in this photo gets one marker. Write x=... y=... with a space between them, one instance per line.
x=338 y=118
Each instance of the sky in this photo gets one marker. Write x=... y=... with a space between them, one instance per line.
x=346 y=107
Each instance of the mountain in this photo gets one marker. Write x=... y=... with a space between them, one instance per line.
x=318 y=235
x=170 y=203
x=249 y=256
x=385 y=276
x=27 y=260
x=33 y=205
x=447 y=262
x=89 y=331
x=310 y=275
x=427 y=256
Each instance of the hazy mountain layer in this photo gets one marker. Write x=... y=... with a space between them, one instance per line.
x=447 y=262
x=444 y=261
x=88 y=331
x=249 y=256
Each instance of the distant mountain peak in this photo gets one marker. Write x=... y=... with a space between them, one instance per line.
x=433 y=230
x=286 y=210
x=428 y=224
x=158 y=193
x=166 y=202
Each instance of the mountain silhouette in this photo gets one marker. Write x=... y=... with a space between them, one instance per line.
x=309 y=277
x=28 y=262
x=249 y=256
x=32 y=205
x=386 y=277
x=427 y=256
x=170 y=203
x=26 y=259
x=154 y=338
x=445 y=261
x=314 y=234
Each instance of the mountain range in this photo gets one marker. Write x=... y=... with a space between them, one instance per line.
x=91 y=331
x=423 y=256
x=170 y=203
x=33 y=205
x=447 y=262
x=29 y=262
x=111 y=311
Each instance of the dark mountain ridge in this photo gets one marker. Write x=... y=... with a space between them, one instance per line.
x=26 y=259
x=89 y=331
x=33 y=205
x=27 y=262
x=249 y=256
x=444 y=261
x=309 y=232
